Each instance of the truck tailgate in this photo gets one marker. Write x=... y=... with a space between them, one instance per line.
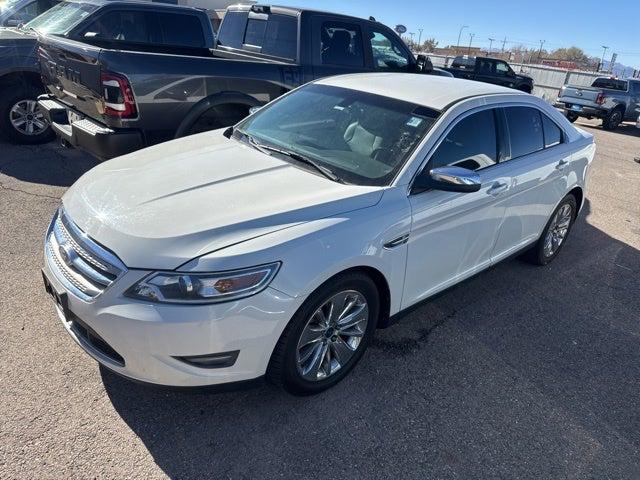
x=580 y=95
x=71 y=72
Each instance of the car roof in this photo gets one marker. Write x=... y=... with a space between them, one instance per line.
x=427 y=90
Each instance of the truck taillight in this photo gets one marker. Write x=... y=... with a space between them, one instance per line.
x=117 y=96
x=600 y=98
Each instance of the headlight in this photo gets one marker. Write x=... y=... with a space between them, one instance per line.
x=176 y=287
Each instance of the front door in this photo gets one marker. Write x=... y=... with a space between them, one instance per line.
x=453 y=234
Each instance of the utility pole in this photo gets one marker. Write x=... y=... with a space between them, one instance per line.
x=540 y=51
x=503 y=43
x=412 y=44
x=459 y=35
x=491 y=40
x=420 y=38
x=605 y=48
x=471 y=35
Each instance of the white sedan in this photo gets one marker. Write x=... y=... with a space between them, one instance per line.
x=278 y=246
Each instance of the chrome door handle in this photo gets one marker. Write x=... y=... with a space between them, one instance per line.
x=562 y=164
x=497 y=188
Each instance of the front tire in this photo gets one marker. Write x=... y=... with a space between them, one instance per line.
x=327 y=336
x=555 y=233
x=21 y=120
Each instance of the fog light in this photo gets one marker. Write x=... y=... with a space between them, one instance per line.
x=214 y=360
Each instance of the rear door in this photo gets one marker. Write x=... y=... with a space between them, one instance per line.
x=538 y=161
x=337 y=47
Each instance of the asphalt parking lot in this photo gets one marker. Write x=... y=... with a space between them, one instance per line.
x=521 y=372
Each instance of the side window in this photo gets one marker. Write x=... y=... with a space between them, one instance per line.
x=485 y=66
x=387 y=52
x=275 y=35
x=231 y=32
x=181 y=30
x=525 y=130
x=552 y=133
x=122 y=26
x=28 y=12
x=341 y=44
x=472 y=143
x=502 y=69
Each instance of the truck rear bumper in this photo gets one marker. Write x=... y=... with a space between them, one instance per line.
x=99 y=140
x=584 y=110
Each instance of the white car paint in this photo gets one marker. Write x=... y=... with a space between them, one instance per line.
x=207 y=204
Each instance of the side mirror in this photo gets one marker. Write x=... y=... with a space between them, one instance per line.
x=448 y=179
x=423 y=64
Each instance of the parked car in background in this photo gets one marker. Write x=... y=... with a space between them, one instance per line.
x=279 y=245
x=14 y=13
x=489 y=70
x=609 y=99
x=114 y=90
x=20 y=82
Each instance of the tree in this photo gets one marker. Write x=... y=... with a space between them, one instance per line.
x=429 y=45
x=573 y=54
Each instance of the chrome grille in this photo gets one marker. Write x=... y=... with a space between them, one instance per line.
x=83 y=266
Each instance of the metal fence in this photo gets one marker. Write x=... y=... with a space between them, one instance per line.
x=547 y=81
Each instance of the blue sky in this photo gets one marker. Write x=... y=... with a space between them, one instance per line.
x=561 y=23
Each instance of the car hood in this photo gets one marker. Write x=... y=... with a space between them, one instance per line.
x=163 y=206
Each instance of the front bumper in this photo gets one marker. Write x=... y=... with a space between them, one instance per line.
x=99 y=140
x=143 y=340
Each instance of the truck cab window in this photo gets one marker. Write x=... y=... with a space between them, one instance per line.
x=502 y=69
x=274 y=35
x=387 y=53
x=341 y=44
x=121 y=26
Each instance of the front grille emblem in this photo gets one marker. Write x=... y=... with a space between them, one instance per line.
x=67 y=254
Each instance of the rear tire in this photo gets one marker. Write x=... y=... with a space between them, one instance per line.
x=220 y=116
x=287 y=367
x=21 y=120
x=612 y=119
x=572 y=117
x=555 y=233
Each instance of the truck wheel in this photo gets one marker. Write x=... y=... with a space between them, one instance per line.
x=21 y=120
x=219 y=116
x=612 y=120
x=572 y=117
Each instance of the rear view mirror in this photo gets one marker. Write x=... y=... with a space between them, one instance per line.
x=448 y=179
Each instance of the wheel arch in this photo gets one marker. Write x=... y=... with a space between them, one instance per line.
x=20 y=78
x=210 y=102
x=578 y=193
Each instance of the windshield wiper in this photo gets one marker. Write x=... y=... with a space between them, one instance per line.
x=266 y=149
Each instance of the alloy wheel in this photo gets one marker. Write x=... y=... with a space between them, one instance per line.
x=332 y=335
x=27 y=118
x=558 y=230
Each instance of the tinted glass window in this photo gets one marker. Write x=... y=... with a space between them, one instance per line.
x=552 y=133
x=181 y=30
x=387 y=52
x=525 y=130
x=502 y=68
x=364 y=138
x=276 y=35
x=232 y=29
x=341 y=44
x=121 y=26
x=610 y=83
x=464 y=62
x=471 y=143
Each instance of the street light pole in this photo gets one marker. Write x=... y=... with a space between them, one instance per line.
x=605 y=48
x=413 y=46
x=471 y=35
x=540 y=51
x=491 y=40
x=459 y=35
x=420 y=37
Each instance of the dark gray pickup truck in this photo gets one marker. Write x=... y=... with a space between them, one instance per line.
x=121 y=82
x=489 y=70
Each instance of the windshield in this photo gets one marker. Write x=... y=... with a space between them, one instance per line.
x=362 y=138
x=60 y=19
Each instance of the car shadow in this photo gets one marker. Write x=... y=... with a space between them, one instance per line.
x=49 y=164
x=626 y=128
x=520 y=367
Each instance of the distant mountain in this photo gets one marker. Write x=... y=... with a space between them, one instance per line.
x=619 y=70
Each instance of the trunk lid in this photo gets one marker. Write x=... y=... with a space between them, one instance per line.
x=71 y=72
x=580 y=95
